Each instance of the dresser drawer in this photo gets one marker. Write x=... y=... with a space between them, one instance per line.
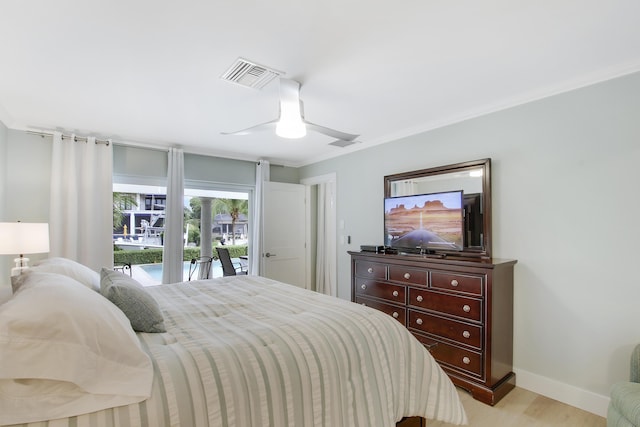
x=461 y=332
x=454 y=305
x=371 y=270
x=407 y=275
x=457 y=282
x=453 y=356
x=398 y=313
x=393 y=293
x=451 y=305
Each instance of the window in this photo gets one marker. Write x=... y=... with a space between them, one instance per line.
x=155 y=202
x=124 y=201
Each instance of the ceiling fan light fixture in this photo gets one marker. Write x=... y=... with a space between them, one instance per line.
x=291 y=127
x=290 y=124
x=291 y=130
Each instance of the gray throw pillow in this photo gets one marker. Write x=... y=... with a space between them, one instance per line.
x=135 y=302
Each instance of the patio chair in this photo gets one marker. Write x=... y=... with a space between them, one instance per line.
x=202 y=266
x=124 y=268
x=229 y=268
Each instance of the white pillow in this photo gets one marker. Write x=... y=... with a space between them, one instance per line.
x=66 y=351
x=71 y=268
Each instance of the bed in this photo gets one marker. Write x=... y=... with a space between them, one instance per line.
x=238 y=351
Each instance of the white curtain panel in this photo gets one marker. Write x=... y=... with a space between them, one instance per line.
x=262 y=175
x=326 y=240
x=174 y=219
x=81 y=205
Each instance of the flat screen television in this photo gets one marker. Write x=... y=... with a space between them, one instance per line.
x=425 y=222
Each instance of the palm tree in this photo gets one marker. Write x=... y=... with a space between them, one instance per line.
x=233 y=207
x=120 y=203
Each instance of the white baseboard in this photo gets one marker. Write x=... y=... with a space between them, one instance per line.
x=565 y=393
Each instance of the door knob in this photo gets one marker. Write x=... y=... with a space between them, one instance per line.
x=268 y=255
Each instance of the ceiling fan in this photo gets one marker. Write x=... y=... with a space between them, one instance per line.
x=291 y=122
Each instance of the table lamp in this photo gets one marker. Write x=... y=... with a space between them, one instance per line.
x=19 y=238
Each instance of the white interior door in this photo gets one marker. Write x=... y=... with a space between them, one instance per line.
x=283 y=242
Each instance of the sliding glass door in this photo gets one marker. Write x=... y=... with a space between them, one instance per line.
x=212 y=217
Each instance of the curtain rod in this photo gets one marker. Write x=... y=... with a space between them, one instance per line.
x=102 y=141
x=133 y=144
x=74 y=137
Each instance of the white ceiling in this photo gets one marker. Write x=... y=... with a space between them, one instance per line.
x=148 y=71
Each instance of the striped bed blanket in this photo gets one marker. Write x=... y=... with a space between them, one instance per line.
x=245 y=351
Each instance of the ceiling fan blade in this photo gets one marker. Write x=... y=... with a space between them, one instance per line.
x=253 y=129
x=330 y=132
x=342 y=143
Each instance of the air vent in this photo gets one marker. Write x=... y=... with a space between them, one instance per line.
x=249 y=74
x=341 y=143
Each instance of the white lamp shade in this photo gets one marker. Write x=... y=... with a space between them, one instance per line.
x=18 y=238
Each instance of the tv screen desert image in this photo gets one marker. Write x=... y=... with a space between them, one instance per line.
x=425 y=221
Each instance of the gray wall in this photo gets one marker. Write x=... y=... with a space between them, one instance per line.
x=565 y=173
x=26 y=189
x=28 y=178
x=4 y=269
x=3 y=168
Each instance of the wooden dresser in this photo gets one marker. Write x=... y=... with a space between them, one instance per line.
x=461 y=309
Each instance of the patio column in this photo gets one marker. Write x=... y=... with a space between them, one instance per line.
x=206 y=246
x=205 y=235
x=132 y=225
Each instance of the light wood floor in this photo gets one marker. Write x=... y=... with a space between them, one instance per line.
x=523 y=408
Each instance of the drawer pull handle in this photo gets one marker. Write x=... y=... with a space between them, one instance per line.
x=454 y=282
x=407 y=276
x=466 y=308
x=419 y=321
x=419 y=298
x=466 y=360
x=466 y=334
x=369 y=270
x=395 y=293
x=363 y=286
x=395 y=315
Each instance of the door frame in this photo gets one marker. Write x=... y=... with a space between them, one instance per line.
x=308 y=183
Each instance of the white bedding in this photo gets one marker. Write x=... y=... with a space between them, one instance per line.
x=62 y=352
x=247 y=351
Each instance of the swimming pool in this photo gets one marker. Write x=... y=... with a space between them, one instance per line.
x=155 y=270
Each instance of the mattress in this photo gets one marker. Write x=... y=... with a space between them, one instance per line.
x=248 y=351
